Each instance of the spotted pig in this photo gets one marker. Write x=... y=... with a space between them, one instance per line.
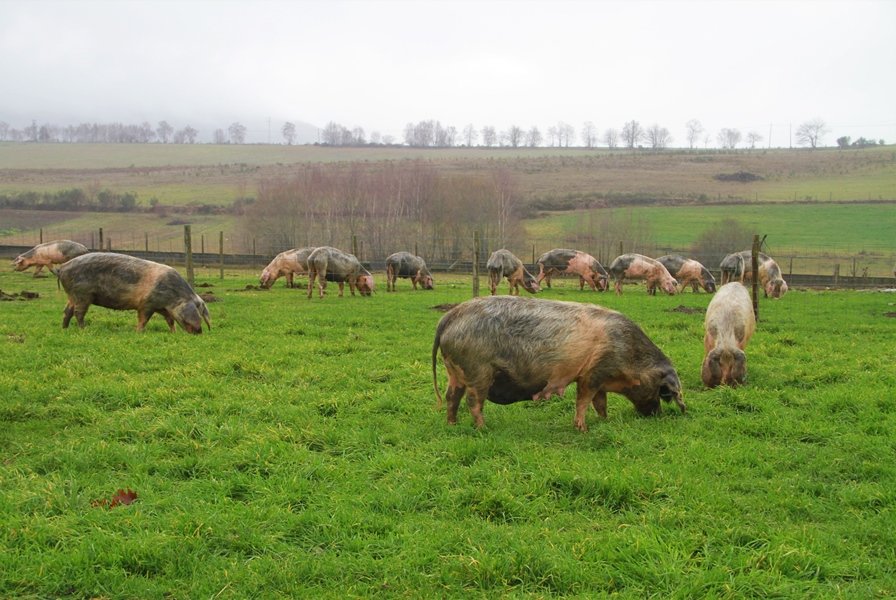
x=502 y=263
x=563 y=261
x=288 y=263
x=688 y=271
x=331 y=264
x=729 y=325
x=638 y=266
x=49 y=254
x=407 y=266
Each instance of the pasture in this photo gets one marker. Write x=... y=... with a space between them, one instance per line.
x=296 y=451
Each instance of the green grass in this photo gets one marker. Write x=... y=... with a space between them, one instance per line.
x=295 y=450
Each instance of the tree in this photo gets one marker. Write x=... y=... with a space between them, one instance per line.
x=332 y=134
x=358 y=136
x=565 y=134
x=187 y=135
x=289 y=132
x=471 y=136
x=489 y=136
x=658 y=137
x=843 y=142
x=237 y=132
x=589 y=134
x=729 y=138
x=4 y=130
x=164 y=131
x=811 y=132
x=514 y=136
x=753 y=138
x=220 y=136
x=632 y=133
x=611 y=138
x=533 y=137
x=694 y=129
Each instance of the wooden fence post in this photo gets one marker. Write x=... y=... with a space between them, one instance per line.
x=221 y=251
x=475 y=263
x=188 y=252
x=755 y=267
x=41 y=235
x=836 y=274
x=101 y=239
x=146 y=241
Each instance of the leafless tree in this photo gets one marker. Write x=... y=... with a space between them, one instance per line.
x=811 y=132
x=489 y=136
x=611 y=138
x=237 y=132
x=632 y=134
x=332 y=134
x=753 y=138
x=565 y=134
x=289 y=132
x=589 y=134
x=658 y=137
x=220 y=136
x=533 y=137
x=729 y=138
x=376 y=138
x=164 y=131
x=358 y=136
x=471 y=136
x=514 y=136
x=694 y=129
x=4 y=130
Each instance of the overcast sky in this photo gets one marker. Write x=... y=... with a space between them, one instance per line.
x=751 y=65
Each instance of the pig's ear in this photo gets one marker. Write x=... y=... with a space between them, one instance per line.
x=670 y=389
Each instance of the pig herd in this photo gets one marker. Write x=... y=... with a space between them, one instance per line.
x=499 y=348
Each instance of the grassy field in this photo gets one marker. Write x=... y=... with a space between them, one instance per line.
x=296 y=451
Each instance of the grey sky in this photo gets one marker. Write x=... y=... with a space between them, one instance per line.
x=752 y=65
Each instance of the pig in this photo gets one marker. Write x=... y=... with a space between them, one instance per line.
x=123 y=282
x=739 y=267
x=562 y=261
x=407 y=266
x=331 y=264
x=288 y=263
x=49 y=254
x=729 y=325
x=688 y=271
x=507 y=349
x=638 y=266
x=502 y=263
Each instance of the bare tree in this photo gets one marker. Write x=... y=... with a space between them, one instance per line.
x=565 y=134
x=471 y=136
x=489 y=136
x=289 y=132
x=164 y=131
x=811 y=132
x=220 y=136
x=514 y=136
x=376 y=138
x=4 y=130
x=694 y=129
x=729 y=138
x=658 y=137
x=611 y=138
x=632 y=134
x=753 y=138
x=237 y=132
x=358 y=136
x=533 y=137
x=589 y=134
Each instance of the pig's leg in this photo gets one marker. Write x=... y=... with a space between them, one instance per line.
x=67 y=314
x=452 y=397
x=600 y=403
x=289 y=282
x=80 y=311
x=475 y=400
x=341 y=287
x=618 y=286
x=584 y=395
x=311 y=275
x=38 y=270
x=322 y=283
x=169 y=318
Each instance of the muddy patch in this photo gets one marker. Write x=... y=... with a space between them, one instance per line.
x=681 y=308
x=444 y=307
x=209 y=297
x=892 y=315
x=252 y=288
x=23 y=295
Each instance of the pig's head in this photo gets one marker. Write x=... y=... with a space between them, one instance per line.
x=365 y=284
x=425 y=280
x=670 y=286
x=776 y=288
x=21 y=263
x=724 y=366
x=530 y=284
x=268 y=277
x=190 y=314
x=603 y=283
x=657 y=384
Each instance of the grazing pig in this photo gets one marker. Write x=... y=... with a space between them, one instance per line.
x=688 y=271
x=638 y=266
x=407 y=266
x=507 y=349
x=122 y=282
x=562 y=261
x=49 y=254
x=502 y=263
x=288 y=263
x=738 y=267
x=331 y=264
x=729 y=325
